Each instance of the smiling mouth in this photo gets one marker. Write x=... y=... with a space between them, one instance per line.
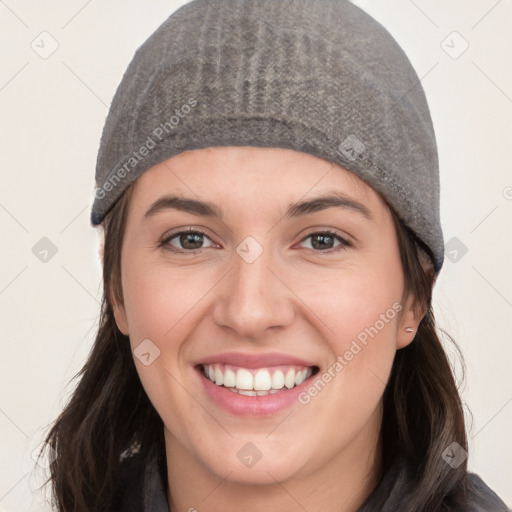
x=257 y=381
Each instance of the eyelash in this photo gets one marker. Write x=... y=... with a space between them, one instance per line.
x=344 y=244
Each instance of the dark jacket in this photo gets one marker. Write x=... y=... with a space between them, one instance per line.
x=143 y=489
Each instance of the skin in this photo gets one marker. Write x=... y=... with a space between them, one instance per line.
x=293 y=299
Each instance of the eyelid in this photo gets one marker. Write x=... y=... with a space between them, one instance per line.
x=333 y=231
x=345 y=242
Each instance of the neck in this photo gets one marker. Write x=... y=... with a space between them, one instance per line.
x=342 y=484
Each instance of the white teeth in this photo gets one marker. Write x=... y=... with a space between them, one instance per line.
x=219 y=376
x=300 y=377
x=289 y=380
x=229 y=378
x=277 y=380
x=262 y=380
x=262 y=383
x=244 y=379
x=246 y=392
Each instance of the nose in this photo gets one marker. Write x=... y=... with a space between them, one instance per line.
x=253 y=298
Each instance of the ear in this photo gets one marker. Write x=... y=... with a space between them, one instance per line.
x=410 y=319
x=101 y=243
x=120 y=317
x=413 y=313
x=118 y=308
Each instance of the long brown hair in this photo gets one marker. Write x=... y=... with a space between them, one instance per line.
x=109 y=413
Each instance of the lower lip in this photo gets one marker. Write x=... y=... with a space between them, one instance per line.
x=243 y=405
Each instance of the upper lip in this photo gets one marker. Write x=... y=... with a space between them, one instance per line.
x=245 y=360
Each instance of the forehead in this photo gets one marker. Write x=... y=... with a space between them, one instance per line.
x=263 y=177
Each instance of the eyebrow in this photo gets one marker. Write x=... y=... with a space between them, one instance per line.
x=300 y=208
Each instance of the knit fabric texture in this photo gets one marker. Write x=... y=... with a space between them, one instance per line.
x=321 y=77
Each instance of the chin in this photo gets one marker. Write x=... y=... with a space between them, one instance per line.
x=261 y=473
x=257 y=463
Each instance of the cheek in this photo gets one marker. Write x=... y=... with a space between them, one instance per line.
x=350 y=302
x=159 y=300
x=162 y=305
x=357 y=314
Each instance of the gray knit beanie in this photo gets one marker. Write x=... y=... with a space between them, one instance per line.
x=317 y=76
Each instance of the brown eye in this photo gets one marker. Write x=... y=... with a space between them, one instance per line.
x=186 y=241
x=325 y=241
x=191 y=240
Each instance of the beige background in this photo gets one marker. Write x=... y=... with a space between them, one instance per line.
x=52 y=113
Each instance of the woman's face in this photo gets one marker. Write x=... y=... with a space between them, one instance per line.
x=288 y=300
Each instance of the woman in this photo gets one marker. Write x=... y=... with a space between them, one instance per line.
x=268 y=186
